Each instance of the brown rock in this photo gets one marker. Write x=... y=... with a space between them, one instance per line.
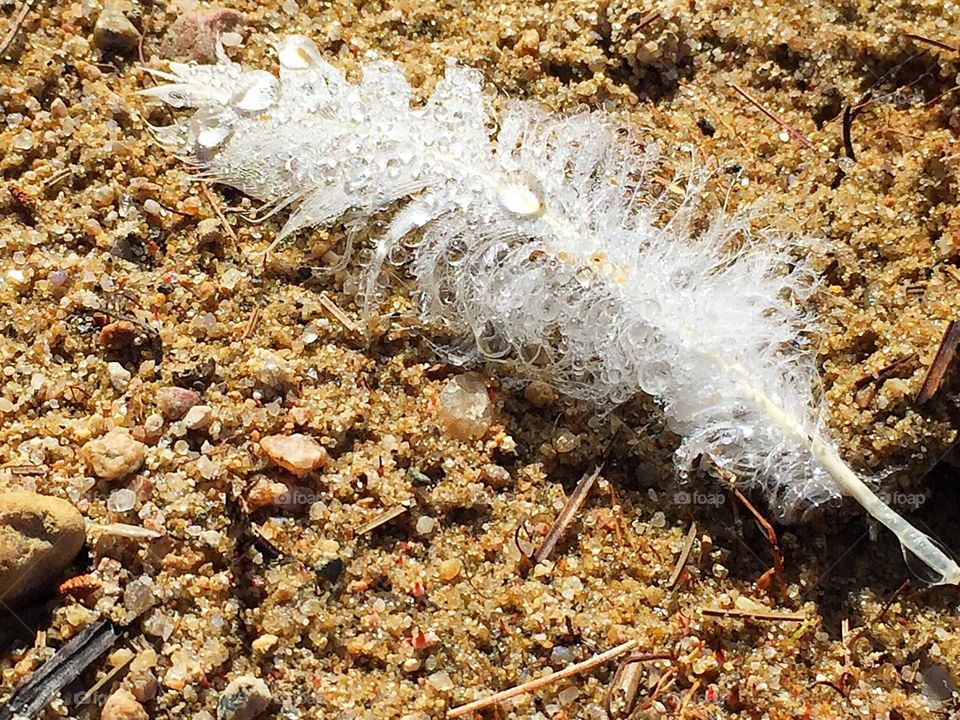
x=174 y=402
x=118 y=335
x=114 y=455
x=114 y=32
x=122 y=705
x=193 y=35
x=39 y=537
x=300 y=454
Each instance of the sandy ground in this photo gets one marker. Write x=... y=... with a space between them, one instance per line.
x=433 y=608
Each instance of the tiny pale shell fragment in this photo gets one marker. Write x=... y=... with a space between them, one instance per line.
x=132 y=532
x=298 y=453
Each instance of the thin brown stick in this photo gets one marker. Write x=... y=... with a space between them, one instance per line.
x=941 y=363
x=666 y=681
x=219 y=213
x=251 y=327
x=883 y=611
x=540 y=682
x=930 y=41
x=627 y=669
x=25 y=468
x=952 y=270
x=941 y=96
x=337 y=313
x=883 y=373
x=16 y=24
x=684 y=554
x=803 y=139
x=682 y=710
x=753 y=614
x=848 y=115
x=647 y=19
x=716 y=116
x=767 y=529
x=566 y=514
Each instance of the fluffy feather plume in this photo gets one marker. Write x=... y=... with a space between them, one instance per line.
x=545 y=245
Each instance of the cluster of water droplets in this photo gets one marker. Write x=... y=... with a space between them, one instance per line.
x=546 y=244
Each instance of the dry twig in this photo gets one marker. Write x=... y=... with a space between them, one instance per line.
x=627 y=676
x=682 y=710
x=941 y=363
x=930 y=41
x=777 y=570
x=883 y=373
x=804 y=140
x=219 y=213
x=60 y=670
x=383 y=518
x=753 y=614
x=337 y=313
x=570 y=508
x=251 y=327
x=684 y=554
x=540 y=682
x=15 y=25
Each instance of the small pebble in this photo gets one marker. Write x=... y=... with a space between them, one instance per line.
x=495 y=476
x=450 y=569
x=300 y=454
x=243 y=699
x=114 y=455
x=122 y=705
x=441 y=681
x=425 y=525
x=198 y=417
x=528 y=44
x=210 y=231
x=118 y=335
x=119 y=376
x=193 y=35
x=139 y=596
x=39 y=537
x=465 y=410
x=121 y=500
x=174 y=402
x=265 y=643
x=113 y=32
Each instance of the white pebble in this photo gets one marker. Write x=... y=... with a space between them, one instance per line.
x=119 y=376
x=441 y=681
x=121 y=500
x=425 y=525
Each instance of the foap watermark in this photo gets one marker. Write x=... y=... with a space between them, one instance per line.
x=699 y=497
x=899 y=499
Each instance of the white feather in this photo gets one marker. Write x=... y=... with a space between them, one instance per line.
x=537 y=246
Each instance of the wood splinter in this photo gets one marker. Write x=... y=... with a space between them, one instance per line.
x=540 y=682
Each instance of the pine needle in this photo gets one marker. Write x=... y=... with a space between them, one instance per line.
x=540 y=682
